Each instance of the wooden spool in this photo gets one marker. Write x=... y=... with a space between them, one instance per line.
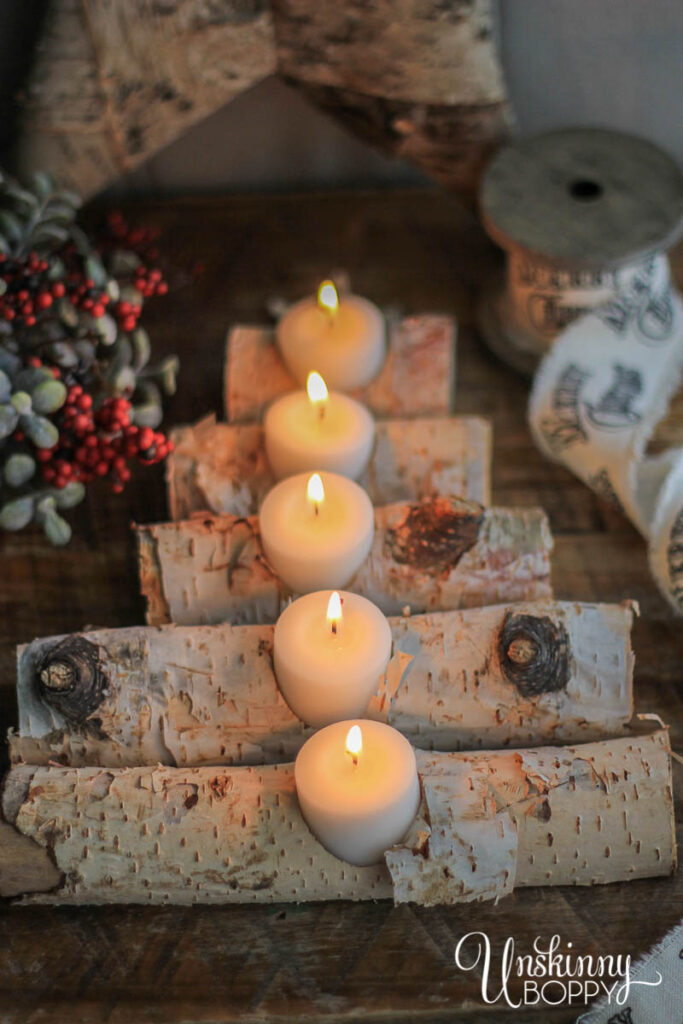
x=574 y=211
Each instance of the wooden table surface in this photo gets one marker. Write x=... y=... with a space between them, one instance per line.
x=336 y=961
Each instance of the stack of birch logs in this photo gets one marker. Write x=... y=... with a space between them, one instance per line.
x=153 y=764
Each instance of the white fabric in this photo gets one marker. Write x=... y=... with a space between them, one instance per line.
x=647 y=1000
x=597 y=397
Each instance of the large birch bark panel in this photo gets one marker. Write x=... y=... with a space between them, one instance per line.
x=488 y=823
x=208 y=695
x=223 y=469
x=417 y=377
x=440 y=554
x=113 y=82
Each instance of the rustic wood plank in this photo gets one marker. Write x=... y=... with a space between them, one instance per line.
x=223 y=469
x=419 y=249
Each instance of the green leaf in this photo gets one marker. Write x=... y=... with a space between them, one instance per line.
x=57 y=530
x=43 y=184
x=71 y=495
x=5 y=387
x=49 y=396
x=48 y=235
x=10 y=226
x=95 y=269
x=42 y=432
x=107 y=329
x=19 y=469
x=17 y=514
x=21 y=402
x=142 y=348
x=9 y=417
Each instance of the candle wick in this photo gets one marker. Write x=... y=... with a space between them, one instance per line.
x=316 y=507
x=354 y=759
x=334 y=628
x=321 y=411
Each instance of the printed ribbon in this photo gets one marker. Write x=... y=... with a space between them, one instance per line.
x=600 y=391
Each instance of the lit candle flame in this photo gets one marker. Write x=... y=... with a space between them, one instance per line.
x=315 y=492
x=328 y=298
x=334 y=611
x=317 y=392
x=354 y=743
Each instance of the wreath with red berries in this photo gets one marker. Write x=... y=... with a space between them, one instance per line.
x=78 y=399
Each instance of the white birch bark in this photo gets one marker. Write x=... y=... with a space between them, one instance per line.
x=208 y=695
x=488 y=823
x=439 y=554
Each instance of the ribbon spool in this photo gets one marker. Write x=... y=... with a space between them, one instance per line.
x=579 y=212
x=587 y=303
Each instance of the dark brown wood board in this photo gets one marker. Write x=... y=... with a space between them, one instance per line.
x=329 y=962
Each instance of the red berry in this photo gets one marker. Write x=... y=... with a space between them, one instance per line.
x=9 y=314
x=84 y=402
x=101 y=468
x=98 y=310
x=146 y=439
x=29 y=321
x=44 y=300
x=128 y=323
x=58 y=289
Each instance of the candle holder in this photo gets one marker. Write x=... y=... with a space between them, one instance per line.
x=417 y=377
x=488 y=823
x=441 y=553
x=222 y=468
x=504 y=676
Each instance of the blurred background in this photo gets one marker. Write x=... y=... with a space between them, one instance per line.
x=590 y=62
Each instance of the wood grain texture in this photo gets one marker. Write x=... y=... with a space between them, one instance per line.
x=339 y=962
x=209 y=695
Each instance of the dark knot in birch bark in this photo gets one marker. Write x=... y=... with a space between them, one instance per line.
x=70 y=678
x=434 y=535
x=534 y=653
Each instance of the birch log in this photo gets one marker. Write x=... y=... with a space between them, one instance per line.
x=511 y=675
x=417 y=378
x=488 y=823
x=222 y=468
x=438 y=554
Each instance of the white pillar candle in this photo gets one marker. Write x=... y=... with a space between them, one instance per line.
x=317 y=429
x=330 y=651
x=316 y=530
x=358 y=788
x=344 y=339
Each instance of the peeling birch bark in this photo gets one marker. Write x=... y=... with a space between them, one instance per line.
x=439 y=554
x=510 y=675
x=488 y=823
x=222 y=468
x=417 y=378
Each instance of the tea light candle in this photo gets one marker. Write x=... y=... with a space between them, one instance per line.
x=317 y=429
x=330 y=651
x=316 y=530
x=344 y=339
x=358 y=788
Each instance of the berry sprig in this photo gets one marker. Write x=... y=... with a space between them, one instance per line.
x=77 y=399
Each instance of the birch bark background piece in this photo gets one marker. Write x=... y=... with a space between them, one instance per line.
x=112 y=83
x=489 y=822
x=510 y=675
x=222 y=468
x=439 y=554
x=417 y=379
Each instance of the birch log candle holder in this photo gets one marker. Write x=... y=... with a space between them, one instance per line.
x=442 y=553
x=222 y=468
x=504 y=676
x=417 y=376
x=488 y=823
